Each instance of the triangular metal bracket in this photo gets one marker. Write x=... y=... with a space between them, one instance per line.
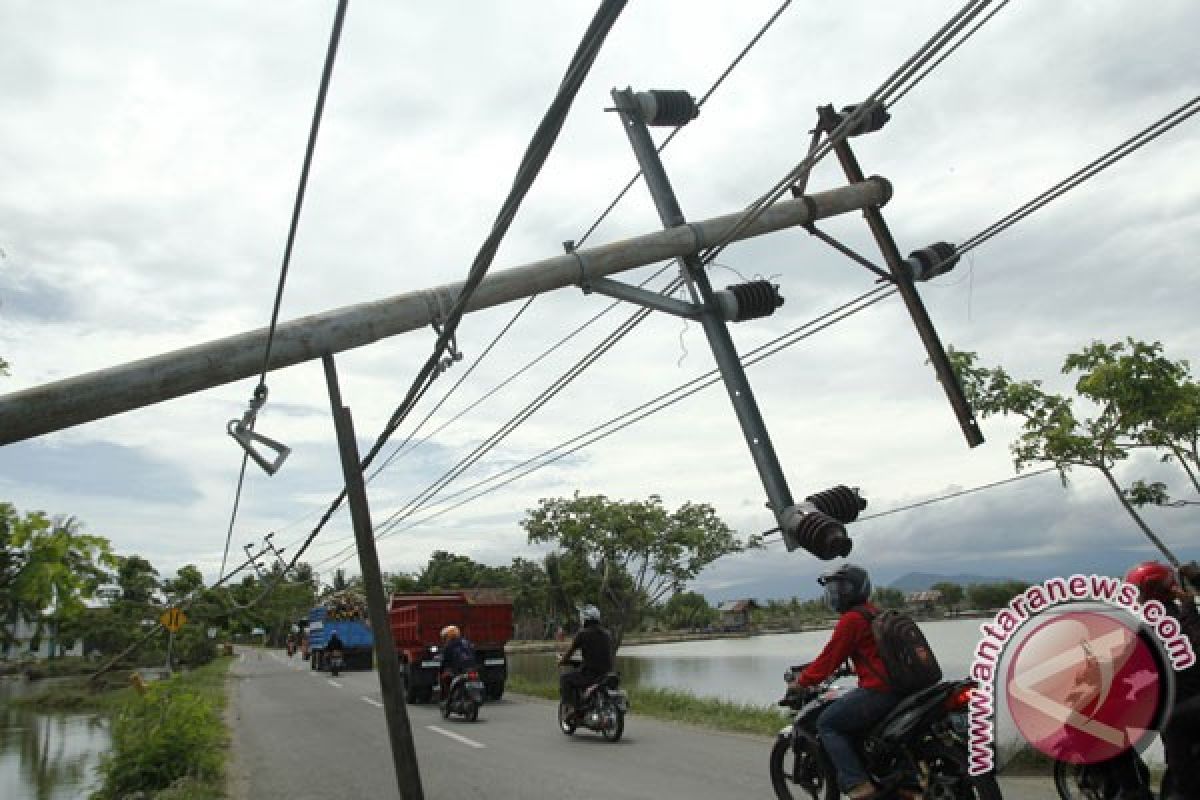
x=247 y=438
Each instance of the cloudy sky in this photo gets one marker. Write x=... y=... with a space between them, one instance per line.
x=148 y=162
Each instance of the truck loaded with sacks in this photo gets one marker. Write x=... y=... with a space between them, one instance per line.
x=485 y=618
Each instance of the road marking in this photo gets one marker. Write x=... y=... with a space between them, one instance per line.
x=335 y=684
x=455 y=736
x=375 y=703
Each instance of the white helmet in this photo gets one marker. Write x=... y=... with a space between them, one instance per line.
x=589 y=613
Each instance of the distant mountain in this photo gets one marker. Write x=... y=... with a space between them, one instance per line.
x=920 y=581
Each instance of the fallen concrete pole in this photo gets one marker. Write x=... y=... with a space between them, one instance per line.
x=103 y=393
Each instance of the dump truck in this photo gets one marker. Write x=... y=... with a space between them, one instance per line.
x=352 y=628
x=485 y=618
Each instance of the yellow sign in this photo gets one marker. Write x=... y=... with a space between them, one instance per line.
x=172 y=619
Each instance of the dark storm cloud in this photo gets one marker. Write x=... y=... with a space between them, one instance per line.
x=124 y=472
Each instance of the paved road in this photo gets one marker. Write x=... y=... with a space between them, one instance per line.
x=299 y=734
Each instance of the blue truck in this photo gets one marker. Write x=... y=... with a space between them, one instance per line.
x=357 y=642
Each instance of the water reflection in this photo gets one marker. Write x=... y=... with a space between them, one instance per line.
x=47 y=756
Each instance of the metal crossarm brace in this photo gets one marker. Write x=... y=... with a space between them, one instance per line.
x=829 y=120
x=779 y=497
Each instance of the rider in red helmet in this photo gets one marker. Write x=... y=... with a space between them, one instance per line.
x=1181 y=735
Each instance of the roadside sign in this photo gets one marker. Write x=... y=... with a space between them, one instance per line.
x=173 y=619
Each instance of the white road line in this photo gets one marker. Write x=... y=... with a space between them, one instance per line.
x=375 y=703
x=456 y=737
x=335 y=684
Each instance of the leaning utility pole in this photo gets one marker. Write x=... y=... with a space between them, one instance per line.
x=103 y=393
x=404 y=753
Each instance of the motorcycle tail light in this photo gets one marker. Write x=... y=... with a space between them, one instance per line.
x=472 y=676
x=959 y=699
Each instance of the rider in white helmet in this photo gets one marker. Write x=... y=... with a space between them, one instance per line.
x=596 y=646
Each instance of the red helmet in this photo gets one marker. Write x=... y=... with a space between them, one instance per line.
x=1155 y=580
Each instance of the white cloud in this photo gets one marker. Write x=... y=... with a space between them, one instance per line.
x=150 y=156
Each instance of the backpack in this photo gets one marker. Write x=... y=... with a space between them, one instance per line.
x=466 y=654
x=910 y=662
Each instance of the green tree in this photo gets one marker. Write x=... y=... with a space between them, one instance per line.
x=952 y=594
x=450 y=571
x=1054 y=433
x=59 y=567
x=1156 y=398
x=688 y=610
x=627 y=556
x=983 y=596
x=887 y=597
x=186 y=582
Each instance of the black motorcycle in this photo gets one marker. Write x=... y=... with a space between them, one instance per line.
x=919 y=746
x=601 y=708
x=464 y=696
x=1100 y=781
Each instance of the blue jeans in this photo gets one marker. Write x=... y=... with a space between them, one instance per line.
x=845 y=720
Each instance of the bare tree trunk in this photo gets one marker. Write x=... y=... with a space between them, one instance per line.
x=1112 y=482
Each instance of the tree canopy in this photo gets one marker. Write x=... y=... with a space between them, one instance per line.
x=1139 y=399
x=626 y=556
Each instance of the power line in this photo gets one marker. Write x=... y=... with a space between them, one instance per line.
x=260 y=391
x=951 y=496
x=1090 y=170
x=527 y=171
x=1168 y=122
x=638 y=413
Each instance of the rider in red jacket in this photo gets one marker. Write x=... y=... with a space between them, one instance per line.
x=848 y=591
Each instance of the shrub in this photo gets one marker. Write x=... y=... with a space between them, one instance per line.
x=169 y=734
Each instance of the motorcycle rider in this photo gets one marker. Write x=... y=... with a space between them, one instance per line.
x=1181 y=734
x=596 y=646
x=848 y=592
x=457 y=656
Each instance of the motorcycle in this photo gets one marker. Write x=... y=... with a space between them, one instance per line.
x=464 y=696
x=602 y=708
x=1077 y=781
x=335 y=662
x=919 y=747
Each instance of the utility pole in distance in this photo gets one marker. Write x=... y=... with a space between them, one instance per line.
x=404 y=754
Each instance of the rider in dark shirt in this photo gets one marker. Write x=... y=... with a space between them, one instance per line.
x=596 y=646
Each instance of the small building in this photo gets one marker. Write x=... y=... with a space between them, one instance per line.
x=923 y=601
x=17 y=644
x=735 y=614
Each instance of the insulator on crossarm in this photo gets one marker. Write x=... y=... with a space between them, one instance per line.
x=841 y=502
x=669 y=108
x=754 y=300
x=818 y=533
x=875 y=118
x=931 y=261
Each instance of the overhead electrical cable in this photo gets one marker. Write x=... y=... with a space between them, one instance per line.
x=1090 y=170
x=640 y=412
x=527 y=171
x=579 y=242
x=260 y=391
x=1152 y=132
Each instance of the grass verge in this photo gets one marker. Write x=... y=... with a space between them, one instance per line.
x=169 y=743
x=679 y=706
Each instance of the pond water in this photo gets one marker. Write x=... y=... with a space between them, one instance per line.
x=746 y=670
x=47 y=756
